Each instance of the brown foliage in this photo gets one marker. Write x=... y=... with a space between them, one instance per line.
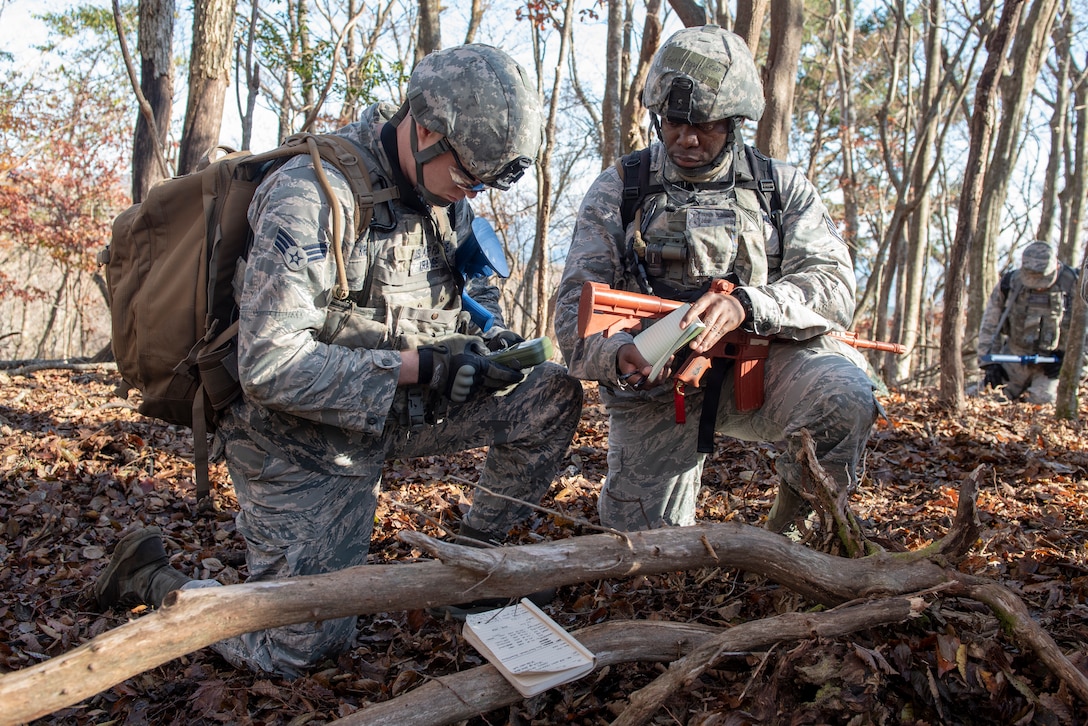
x=80 y=466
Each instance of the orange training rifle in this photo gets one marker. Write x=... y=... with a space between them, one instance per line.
x=604 y=310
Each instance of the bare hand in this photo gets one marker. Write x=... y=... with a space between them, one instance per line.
x=720 y=313
x=634 y=369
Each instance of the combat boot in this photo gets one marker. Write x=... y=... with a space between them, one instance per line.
x=787 y=504
x=139 y=571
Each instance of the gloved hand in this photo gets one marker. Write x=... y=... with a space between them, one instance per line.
x=462 y=372
x=457 y=343
x=1053 y=370
x=503 y=339
x=994 y=375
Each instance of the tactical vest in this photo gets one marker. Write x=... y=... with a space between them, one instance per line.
x=681 y=237
x=1034 y=318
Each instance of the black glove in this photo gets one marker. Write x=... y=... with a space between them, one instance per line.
x=503 y=339
x=457 y=343
x=994 y=375
x=1053 y=370
x=462 y=374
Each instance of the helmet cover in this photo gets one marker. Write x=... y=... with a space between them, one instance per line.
x=703 y=74
x=481 y=100
x=1039 y=265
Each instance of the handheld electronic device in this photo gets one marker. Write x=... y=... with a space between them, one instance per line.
x=525 y=354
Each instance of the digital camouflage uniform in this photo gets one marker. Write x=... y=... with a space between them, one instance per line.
x=322 y=410
x=1029 y=313
x=800 y=285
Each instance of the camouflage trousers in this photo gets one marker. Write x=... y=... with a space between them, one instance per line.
x=655 y=470
x=301 y=522
x=1030 y=382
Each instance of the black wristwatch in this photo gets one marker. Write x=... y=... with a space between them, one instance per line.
x=748 y=324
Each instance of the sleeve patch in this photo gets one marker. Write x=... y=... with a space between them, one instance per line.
x=295 y=256
x=833 y=229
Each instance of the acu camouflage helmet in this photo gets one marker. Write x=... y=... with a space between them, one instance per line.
x=481 y=100
x=703 y=74
x=1039 y=265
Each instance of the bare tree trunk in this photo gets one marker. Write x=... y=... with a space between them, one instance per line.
x=1067 y=404
x=51 y=317
x=1059 y=130
x=780 y=78
x=750 y=14
x=544 y=179
x=983 y=119
x=156 y=41
x=209 y=74
x=632 y=134
x=430 y=30
x=691 y=13
x=247 y=64
x=912 y=272
x=308 y=82
x=895 y=151
x=352 y=77
x=356 y=60
x=1029 y=43
x=613 y=69
x=842 y=12
x=285 y=105
x=475 y=16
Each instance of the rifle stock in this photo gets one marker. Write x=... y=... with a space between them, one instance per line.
x=604 y=310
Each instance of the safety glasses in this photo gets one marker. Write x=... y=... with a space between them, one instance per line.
x=507 y=176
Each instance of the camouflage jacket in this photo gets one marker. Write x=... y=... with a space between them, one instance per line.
x=322 y=374
x=800 y=286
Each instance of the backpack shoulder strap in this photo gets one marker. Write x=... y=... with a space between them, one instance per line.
x=763 y=183
x=345 y=156
x=1006 y=283
x=1067 y=278
x=635 y=172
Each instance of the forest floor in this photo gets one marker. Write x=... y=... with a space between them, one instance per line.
x=80 y=468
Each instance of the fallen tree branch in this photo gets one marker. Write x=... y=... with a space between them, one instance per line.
x=459 y=696
x=840 y=525
x=193 y=619
x=1019 y=624
x=790 y=626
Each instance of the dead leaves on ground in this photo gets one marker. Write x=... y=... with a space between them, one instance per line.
x=79 y=467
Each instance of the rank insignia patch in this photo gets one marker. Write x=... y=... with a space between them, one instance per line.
x=294 y=255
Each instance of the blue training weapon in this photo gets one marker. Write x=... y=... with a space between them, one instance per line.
x=480 y=255
x=1026 y=360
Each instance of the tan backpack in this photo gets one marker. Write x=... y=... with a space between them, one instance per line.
x=169 y=271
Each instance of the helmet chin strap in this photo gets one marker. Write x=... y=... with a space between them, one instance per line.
x=421 y=158
x=711 y=170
